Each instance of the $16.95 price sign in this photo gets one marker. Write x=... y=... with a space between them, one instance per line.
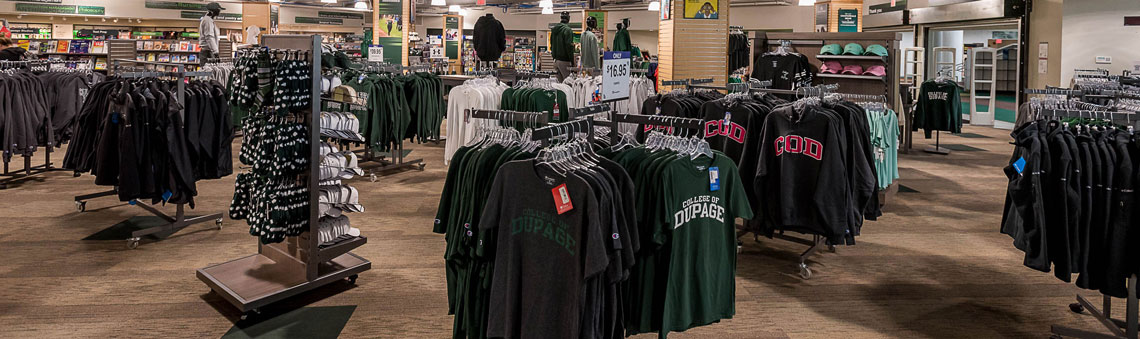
x=615 y=76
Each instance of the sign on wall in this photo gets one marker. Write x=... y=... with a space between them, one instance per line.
x=60 y=9
x=175 y=5
x=702 y=9
x=40 y=1
x=318 y=21
x=821 y=13
x=232 y=17
x=892 y=6
x=340 y=15
x=666 y=10
x=848 y=20
x=615 y=76
x=376 y=53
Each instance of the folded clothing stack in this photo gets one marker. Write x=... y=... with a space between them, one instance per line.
x=341 y=125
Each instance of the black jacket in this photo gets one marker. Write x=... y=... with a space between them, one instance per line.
x=14 y=53
x=490 y=39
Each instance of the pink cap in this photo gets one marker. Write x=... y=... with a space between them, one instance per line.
x=832 y=67
x=877 y=70
x=853 y=69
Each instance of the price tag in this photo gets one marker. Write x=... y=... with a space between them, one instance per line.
x=376 y=53
x=714 y=179
x=615 y=76
x=562 y=199
x=436 y=52
x=1019 y=165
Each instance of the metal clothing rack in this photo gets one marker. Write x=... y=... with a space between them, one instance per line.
x=568 y=128
x=179 y=220
x=654 y=120
x=494 y=114
x=282 y=270
x=1126 y=329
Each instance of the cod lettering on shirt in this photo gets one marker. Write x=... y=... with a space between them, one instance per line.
x=794 y=144
x=545 y=225
x=701 y=206
x=725 y=128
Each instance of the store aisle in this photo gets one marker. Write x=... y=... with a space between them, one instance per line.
x=935 y=264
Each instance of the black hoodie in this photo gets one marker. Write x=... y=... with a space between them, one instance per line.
x=14 y=53
x=490 y=39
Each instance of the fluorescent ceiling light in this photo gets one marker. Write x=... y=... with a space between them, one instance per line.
x=546 y=4
x=438 y=3
x=274 y=0
x=453 y=8
x=329 y=1
x=654 y=6
x=360 y=5
x=807 y=2
x=547 y=10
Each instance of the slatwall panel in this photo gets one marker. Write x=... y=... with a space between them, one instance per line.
x=694 y=48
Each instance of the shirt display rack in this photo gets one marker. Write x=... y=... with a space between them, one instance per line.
x=282 y=270
x=48 y=166
x=1126 y=329
x=179 y=220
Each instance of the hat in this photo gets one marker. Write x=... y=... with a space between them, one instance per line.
x=832 y=49
x=853 y=69
x=831 y=67
x=877 y=70
x=853 y=49
x=214 y=6
x=876 y=50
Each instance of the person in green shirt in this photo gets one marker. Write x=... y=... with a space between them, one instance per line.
x=562 y=46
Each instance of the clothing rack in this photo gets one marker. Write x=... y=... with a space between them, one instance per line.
x=282 y=270
x=532 y=117
x=179 y=220
x=654 y=120
x=1126 y=329
x=568 y=128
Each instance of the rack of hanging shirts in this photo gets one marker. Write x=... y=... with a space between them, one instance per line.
x=194 y=144
x=1069 y=206
x=42 y=102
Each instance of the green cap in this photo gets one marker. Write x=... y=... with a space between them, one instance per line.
x=832 y=49
x=876 y=50
x=853 y=49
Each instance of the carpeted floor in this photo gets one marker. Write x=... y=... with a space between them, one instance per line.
x=934 y=266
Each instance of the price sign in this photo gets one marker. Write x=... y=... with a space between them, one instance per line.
x=436 y=52
x=615 y=76
x=376 y=53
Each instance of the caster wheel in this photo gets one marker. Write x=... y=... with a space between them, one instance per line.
x=133 y=243
x=373 y=177
x=250 y=314
x=1076 y=308
x=80 y=206
x=831 y=248
x=76 y=174
x=805 y=272
x=421 y=167
x=218 y=223
x=352 y=279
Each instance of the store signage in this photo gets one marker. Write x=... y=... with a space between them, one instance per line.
x=146 y=33
x=821 y=13
x=702 y=9
x=17 y=30
x=318 y=21
x=40 y=1
x=436 y=52
x=666 y=10
x=480 y=2
x=60 y=9
x=376 y=53
x=615 y=76
x=232 y=17
x=97 y=32
x=175 y=5
x=848 y=20
x=893 y=6
x=190 y=35
x=340 y=15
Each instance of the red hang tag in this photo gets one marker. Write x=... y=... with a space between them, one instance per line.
x=562 y=199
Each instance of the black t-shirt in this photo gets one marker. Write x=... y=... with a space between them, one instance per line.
x=787 y=71
x=542 y=258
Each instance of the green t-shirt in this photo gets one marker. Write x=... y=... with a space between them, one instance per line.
x=701 y=278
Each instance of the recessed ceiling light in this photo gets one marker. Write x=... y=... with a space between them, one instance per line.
x=116 y=19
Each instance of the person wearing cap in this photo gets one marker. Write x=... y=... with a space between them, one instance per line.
x=208 y=32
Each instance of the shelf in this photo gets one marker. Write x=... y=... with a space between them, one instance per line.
x=340 y=248
x=165 y=51
x=77 y=54
x=852 y=76
x=851 y=57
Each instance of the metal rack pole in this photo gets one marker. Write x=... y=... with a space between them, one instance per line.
x=1119 y=329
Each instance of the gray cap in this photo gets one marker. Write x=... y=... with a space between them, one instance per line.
x=214 y=6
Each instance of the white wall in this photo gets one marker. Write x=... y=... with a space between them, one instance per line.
x=1092 y=28
x=796 y=18
x=645 y=40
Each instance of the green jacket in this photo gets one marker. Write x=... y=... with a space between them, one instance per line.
x=562 y=42
x=621 y=41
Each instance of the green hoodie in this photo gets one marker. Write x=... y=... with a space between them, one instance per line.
x=562 y=42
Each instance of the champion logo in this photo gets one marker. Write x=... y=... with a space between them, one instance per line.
x=794 y=144
x=726 y=128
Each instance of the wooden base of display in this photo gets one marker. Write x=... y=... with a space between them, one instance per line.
x=256 y=280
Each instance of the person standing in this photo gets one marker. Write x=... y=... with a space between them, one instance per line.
x=9 y=51
x=208 y=32
x=590 y=51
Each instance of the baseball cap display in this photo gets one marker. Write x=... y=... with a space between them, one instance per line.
x=853 y=49
x=831 y=67
x=832 y=49
x=876 y=50
x=877 y=70
x=853 y=69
